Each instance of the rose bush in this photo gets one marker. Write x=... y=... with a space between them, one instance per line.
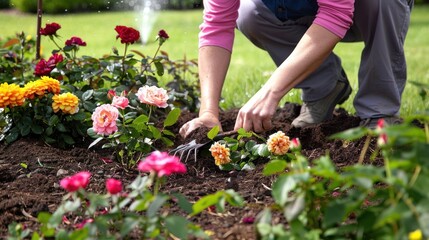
x=85 y=82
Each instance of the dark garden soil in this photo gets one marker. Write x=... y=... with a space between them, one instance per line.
x=26 y=191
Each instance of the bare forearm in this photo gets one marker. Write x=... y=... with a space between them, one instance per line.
x=213 y=64
x=308 y=55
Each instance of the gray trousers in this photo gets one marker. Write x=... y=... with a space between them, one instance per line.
x=381 y=24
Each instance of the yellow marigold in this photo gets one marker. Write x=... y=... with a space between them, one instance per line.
x=52 y=83
x=11 y=95
x=41 y=86
x=66 y=102
x=220 y=153
x=278 y=143
x=415 y=235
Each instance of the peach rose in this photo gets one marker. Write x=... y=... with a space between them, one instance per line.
x=220 y=153
x=153 y=96
x=278 y=143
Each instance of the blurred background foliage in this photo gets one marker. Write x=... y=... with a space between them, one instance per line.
x=55 y=6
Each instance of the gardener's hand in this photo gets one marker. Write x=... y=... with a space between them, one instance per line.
x=257 y=113
x=205 y=119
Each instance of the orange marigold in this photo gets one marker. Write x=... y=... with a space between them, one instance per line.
x=41 y=86
x=278 y=143
x=66 y=102
x=220 y=153
x=11 y=95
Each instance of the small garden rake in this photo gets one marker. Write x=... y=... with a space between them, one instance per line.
x=187 y=148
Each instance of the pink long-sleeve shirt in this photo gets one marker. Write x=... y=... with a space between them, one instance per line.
x=220 y=18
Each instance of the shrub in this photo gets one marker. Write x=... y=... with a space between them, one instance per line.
x=53 y=6
x=4 y=4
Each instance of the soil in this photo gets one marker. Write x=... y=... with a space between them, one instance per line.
x=25 y=191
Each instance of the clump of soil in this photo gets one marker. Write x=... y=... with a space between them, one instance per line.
x=25 y=191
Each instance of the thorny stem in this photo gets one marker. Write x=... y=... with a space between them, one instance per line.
x=364 y=149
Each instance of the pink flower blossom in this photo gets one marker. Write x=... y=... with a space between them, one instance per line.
x=104 y=119
x=248 y=220
x=111 y=93
x=120 y=102
x=73 y=183
x=382 y=140
x=162 y=164
x=113 y=186
x=153 y=96
x=83 y=223
x=295 y=144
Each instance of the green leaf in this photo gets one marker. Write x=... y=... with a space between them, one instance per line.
x=60 y=127
x=87 y=95
x=80 y=234
x=261 y=150
x=282 y=187
x=213 y=132
x=36 y=129
x=205 y=202
x=12 y=137
x=172 y=117
x=295 y=207
x=142 y=119
x=25 y=130
x=128 y=225
x=334 y=213
x=43 y=217
x=167 y=141
x=80 y=116
x=178 y=226
x=155 y=132
x=53 y=120
x=67 y=139
x=183 y=203
x=159 y=68
x=351 y=134
x=154 y=206
x=274 y=166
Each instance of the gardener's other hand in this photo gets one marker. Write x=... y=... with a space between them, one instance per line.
x=206 y=119
x=257 y=113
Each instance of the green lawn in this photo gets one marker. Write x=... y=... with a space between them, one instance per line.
x=250 y=67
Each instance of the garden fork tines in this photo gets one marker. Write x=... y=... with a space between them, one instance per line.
x=187 y=148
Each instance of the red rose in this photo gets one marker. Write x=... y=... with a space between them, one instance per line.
x=163 y=34
x=50 y=29
x=75 y=41
x=127 y=35
x=44 y=68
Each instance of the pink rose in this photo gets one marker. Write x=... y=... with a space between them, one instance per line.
x=73 y=183
x=120 y=102
x=162 y=164
x=113 y=186
x=153 y=96
x=104 y=119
